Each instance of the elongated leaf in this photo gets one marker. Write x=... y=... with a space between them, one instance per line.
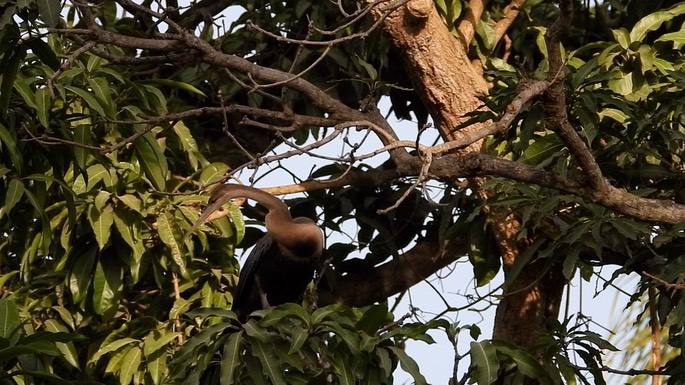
x=101 y=88
x=81 y=274
x=67 y=349
x=9 y=75
x=408 y=365
x=89 y=99
x=130 y=365
x=255 y=330
x=231 y=358
x=342 y=369
x=180 y=85
x=153 y=343
x=152 y=160
x=15 y=190
x=189 y=145
x=10 y=145
x=44 y=52
x=299 y=337
x=49 y=11
x=97 y=173
x=67 y=192
x=270 y=364
x=9 y=320
x=111 y=347
x=526 y=363
x=115 y=360
x=83 y=135
x=484 y=359
x=167 y=233
x=128 y=226
x=107 y=286
x=374 y=318
x=101 y=223
x=43 y=105
x=653 y=21
x=156 y=365
x=541 y=149
x=187 y=350
x=213 y=172
x=45 y=223
x=384 y=361
x=132 y=201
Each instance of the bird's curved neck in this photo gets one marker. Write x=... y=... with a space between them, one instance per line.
x=289 y=233
x=273 y=204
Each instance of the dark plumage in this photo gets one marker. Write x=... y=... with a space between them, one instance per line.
x=282 y=263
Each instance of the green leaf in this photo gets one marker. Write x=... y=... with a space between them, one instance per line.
x=384 y=361
x=101 y=223
x=128 y=226
x=299 y=337
x=408 y=365
x=114 y=360
x=10 y=145
x=111 y=347
x=213 y=172
x=373 y=74
x=101 y=87
x=230 y=359
x=622 y=37
x=43 y=105
x=653 y=21
x=484 y=359
x=130 y=365
x=270 y=363
x=82 y=272
x=152 y=160
x=676 y=37
x=189 y=145
x=83 y=135
x=9 y=320
x=526 y=363
x=180 y=85
x=67 y=349
x=133 y=202
x=9 y=75
x=152 y=343
x=107 y=286
x=201 y=339
x=255 y=331
x=156 y=366
x=168 y=233
x=90 y=100
x=373 y=318
x=44 y=52
x=342 y=369
x=45 y=222
x=49 y=11
x=15 y=190
x=541 y=149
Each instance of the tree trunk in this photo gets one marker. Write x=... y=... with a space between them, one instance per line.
x=449 y=85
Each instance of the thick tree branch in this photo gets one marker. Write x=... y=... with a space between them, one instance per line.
x=367 y=286
x=510 y=12
x=467 y=25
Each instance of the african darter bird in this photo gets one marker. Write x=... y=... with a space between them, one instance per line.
x=282 y=263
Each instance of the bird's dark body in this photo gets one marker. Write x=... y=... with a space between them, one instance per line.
x=281 y=278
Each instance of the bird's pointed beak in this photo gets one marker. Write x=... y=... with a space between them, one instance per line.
x=205 y=216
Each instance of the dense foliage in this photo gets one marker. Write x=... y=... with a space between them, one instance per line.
x=116 y=118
